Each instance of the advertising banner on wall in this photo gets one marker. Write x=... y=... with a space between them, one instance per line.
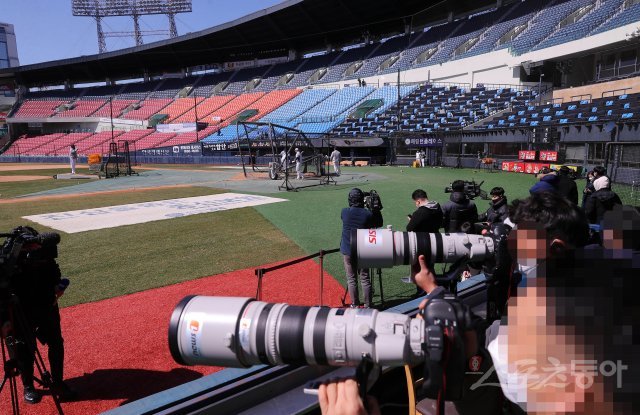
x=234 y=66
x=548 y=156
x=423 y=142
x=526 y=155
x=186 y=127
x=181 y=150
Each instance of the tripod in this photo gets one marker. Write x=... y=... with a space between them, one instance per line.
x=328 y=178
x=18 y=342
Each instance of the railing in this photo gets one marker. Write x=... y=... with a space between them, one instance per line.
x=617 y=71
x=612 y=92
x=260 y=272
x=580 y=97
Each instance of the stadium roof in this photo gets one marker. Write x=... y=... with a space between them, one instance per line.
x=301 y=25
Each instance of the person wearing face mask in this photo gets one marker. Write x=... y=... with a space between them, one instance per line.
x=566 y=343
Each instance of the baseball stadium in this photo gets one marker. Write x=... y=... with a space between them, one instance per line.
x=174 y=180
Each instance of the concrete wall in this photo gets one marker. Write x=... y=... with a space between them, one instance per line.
x=596 y=90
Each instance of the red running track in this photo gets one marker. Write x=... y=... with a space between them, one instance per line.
x=116 y=349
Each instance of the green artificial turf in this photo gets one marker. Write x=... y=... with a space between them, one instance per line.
x=112 y=262
x=312 y=219
x=13 y=189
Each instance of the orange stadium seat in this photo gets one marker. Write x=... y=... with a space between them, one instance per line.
x=38 y=109
x=153 y=140
x=83 y=108
x=147 y=108
x=204 y=108
x=118 y=106
x=96 y=142
x=181 y=106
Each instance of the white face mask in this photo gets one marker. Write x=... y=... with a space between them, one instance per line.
x=513 y=384
x=528 y=267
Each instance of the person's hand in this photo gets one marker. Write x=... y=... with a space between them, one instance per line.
x=341 y=397
x=423 y=276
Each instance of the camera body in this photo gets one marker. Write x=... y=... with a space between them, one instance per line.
x=24 y=248
x=372 y=201
x=471 y=190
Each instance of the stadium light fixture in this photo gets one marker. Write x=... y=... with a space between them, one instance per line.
x=99 y=9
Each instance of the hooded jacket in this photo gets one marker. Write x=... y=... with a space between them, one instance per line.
x=427 y=218
x=599 y=202
x=458 y=210
x=547 y=183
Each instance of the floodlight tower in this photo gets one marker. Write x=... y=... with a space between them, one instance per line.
x=99 y=9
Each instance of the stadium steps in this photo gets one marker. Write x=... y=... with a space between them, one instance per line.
x=488 y=119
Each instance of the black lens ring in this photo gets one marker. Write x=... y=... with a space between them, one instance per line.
x=407 y=257
x=319 y=330
x=439 y=247
x=291 y=335
x=423 y=245
x=261 y=327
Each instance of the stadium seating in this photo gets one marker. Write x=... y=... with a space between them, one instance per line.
x=152 y=140
x=270 y=94
x=225 y=114
x=576 y=112
x=147 y=108
x=82 y=108
x=544 y=24
x=601 y=12
x=621 y=17
x=97 y=143
x=181 y=106
x=434 y=108
x=33 y=145
x=298 y=105
x=204 y=108
x=115 y=107
x=336 y=104
x=38 y=109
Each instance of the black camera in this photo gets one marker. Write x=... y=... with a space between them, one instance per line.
x=372 y=201
x=471 y=190
x=25 y=246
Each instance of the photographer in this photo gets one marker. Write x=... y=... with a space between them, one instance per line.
x=567 y=185
x=38 y=285
x=356 y=216
x=498 y=210
x=459 y=210
x=427 y=216
x=553 y=351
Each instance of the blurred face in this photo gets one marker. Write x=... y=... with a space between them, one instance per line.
x=496 y=198
x=528 y=243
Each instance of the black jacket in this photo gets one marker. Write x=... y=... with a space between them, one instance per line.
x=567 y=188
x=458 y=210
x=600 y=202
x=427 y=218
x=496 y=213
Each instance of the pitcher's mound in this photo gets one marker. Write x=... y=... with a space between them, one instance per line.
x=69 y=176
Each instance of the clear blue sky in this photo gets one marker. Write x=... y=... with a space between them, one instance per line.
x=46 y=29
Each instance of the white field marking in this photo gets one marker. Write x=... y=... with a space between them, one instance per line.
x=83 y=220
